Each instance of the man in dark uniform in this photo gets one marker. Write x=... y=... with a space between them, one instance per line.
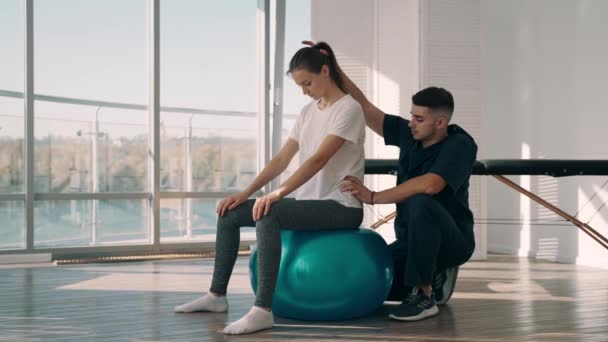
x=434 y=225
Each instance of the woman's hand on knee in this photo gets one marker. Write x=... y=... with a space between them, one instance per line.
x=262 y=205
x=230 y=203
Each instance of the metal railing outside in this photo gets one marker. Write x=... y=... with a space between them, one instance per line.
x=96 y=137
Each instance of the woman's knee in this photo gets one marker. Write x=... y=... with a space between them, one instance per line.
x=230 y=220
x=268 y=223
x=228 y=217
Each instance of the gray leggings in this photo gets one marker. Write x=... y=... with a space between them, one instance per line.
x=287 y=213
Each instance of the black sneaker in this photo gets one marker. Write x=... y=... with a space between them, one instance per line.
x=439 y=279
x=415 y=307
x=443 y=284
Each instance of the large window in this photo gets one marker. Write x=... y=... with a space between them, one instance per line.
x=90 y=222
x=91 y=122
x=91 y=156
x=12 y=229
x=12 y=170
x=209 y=122
x=95 y=51
x=90 y=149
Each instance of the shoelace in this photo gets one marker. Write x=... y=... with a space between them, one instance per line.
x=413 y=297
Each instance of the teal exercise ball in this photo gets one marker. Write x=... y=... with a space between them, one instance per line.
x=329 y=275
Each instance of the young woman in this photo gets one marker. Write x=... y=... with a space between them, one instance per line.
x=328 y=135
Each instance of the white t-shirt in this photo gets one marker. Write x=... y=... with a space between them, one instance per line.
x=343 y=119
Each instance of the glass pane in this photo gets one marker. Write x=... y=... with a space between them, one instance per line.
x=107 y=155
x=12 y=49
x=174 y=150
x=225 y=162
x=11 y=96
x=192 y=219
x=12 y=168
x=122 y=153
x=12 y=229
x=94 y=51
x=123 y=222
x=208 y=66
x=297 y=29
x=62 y=155
x=90 y=222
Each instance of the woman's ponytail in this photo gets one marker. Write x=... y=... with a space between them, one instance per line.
x=332 y=63
x=313 y=58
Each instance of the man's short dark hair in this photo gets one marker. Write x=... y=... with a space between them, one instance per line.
x=439 y=100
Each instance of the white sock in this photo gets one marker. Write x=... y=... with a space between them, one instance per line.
x=208 y=302
x=256 y=319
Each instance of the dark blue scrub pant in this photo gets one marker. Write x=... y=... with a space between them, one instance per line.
x=428 y=240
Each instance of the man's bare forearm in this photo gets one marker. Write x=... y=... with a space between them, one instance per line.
x=428 y=184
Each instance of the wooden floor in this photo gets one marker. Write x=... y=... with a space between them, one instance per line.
x=502 y=299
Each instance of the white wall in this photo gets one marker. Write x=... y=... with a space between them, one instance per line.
x=529 y=82
x=450 y=58
x=376 y=42
x=379 y=44
x=544 y=70
x=396 y=77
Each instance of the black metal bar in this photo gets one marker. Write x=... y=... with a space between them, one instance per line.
x=533 y=167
